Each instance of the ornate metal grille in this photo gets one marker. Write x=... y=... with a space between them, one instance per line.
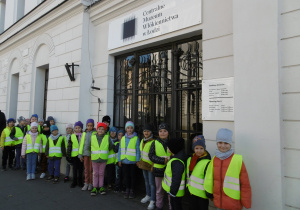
x=162 y=85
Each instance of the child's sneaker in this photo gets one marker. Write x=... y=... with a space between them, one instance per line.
x=94 y=191
x=146 y=199
x=55 y=180
x=102 y=191
x=126 y=196
x=49 y=178
x=90 y=187
x=66 y=179
x=109 y=187
x=28 y=177
x=131 y=194
x=42 y=176
x=116 y=190
x=151 y=205
x=32 y=176
x=85 y=187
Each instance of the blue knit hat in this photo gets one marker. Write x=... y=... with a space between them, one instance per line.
x=10 y=120
x=224 y=135
x=198 y=140
x=113 y=129
x=50 y=118
x=121 y=131
x=53 y=128
x=35 y=115
x=129 y=123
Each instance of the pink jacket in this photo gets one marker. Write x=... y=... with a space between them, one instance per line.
x=33 y=139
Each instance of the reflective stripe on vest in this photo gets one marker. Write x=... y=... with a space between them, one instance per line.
x=196 y=180
x=20 y=135
x=33 y=147
x=167 y=180
x=99 y=152
x=112 y=156
x=8 y=141
x=231 y=185
x=160 y=152
x=145 y=151
x=130 y=152
x=55 y=150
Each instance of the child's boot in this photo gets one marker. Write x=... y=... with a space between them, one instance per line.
x=131 y=194
x=126 y=196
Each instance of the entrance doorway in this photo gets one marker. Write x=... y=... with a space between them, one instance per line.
x=13 y=104
x=41 y=90
x=161 y=85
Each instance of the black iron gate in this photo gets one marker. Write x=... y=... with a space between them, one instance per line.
x=161 y=85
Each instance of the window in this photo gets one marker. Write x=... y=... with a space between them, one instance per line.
x=2 y=15
x=161 y=85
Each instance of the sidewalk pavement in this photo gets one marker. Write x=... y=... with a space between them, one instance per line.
x=17 y=193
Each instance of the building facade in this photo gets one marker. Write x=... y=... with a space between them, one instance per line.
x=198 y=65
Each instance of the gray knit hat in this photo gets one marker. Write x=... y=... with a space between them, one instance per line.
x=21 y=118
x=224 y=135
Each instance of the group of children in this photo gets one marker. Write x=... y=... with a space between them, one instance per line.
x=108 y=155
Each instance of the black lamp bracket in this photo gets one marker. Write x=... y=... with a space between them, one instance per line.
x=71 y=74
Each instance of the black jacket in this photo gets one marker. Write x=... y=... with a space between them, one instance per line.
x=177 y=170
x=157 y=172
x=13 y=133
x=2 y=121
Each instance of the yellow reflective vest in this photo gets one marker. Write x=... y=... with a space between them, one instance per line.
x=44 y=139
x=231 y=185
x=99 y=152
x=160 y=152
x=145 y=151
x=33 y=147
x=195 y=181
x=82 y=142
x=130 y=151
x=55 y=150
x=19 y=135
x=8 y=141
x=167 y=180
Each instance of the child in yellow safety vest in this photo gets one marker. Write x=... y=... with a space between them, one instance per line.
x=67 y=138
x=128 y=157
x=100 y=147
x=226 y=179
x=146 y=165
x=7 y=145
x=195 y=170
x=110 y=165
x=120 y=180
x=174 y=177
x=32 y=146
x=85 y=154
x=55 y=150
x=73 y=152
x=17 y=134
x=45 y=135
x=160 y=156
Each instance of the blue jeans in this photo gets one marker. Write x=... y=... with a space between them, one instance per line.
x=54 y=167
x=68 y=166
x=31 y=162
x=150 y=184
x=18 y=157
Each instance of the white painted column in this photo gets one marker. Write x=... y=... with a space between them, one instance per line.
x=257 y=96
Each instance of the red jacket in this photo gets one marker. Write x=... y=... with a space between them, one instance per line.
x=221 y=200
